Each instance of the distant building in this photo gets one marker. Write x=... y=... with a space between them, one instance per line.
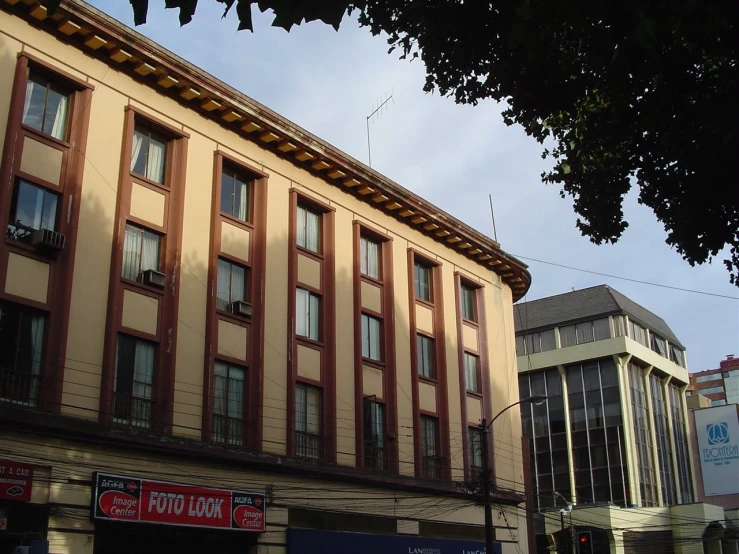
x=720 y=385
x=611 y=440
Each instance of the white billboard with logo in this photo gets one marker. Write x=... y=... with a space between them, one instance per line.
x=717 y=430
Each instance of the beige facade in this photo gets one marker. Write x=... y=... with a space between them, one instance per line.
x=298 y=430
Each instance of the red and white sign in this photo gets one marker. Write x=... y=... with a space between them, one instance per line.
x=16 y=481
x=121 y=498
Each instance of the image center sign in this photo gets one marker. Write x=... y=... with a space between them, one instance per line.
x=133 y=499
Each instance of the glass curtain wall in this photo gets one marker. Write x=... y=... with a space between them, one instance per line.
x=642 y=437
x=664 y=448
x=680 y=436
x=544 y=426
x=597 y=433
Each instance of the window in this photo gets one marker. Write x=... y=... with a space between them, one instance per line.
x=235 y=195
x=567 y=336
x=659 y=345
x=422 y=281
x=721 y=402
x=471 y=372
x=375 y=454
x=34 y=208
x=430 y=448
x=308 y=233
x=140 y=252
x=712 y=390
x=682 y=450
x=46 y=106
x=425 y=347
x=134 y=382
x=231 y=286
x=664 y=445
x=228 y=403
x=601 y=329
x=148 y=154
x=475 y=444
x=371 y=341
x=533 y=343
x=307 y=314
x=642 y=437
x=21 y=350
x=369 y=257
x=709 y=377
x=308 y=440
x=638 y=333
x=468 y=303
x=676 y=355
x=581 y=333
x=619 y=325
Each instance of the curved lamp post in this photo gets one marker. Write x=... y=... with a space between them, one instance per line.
x=535 y=399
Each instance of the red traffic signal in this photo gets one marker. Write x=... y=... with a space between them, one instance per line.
x=584 y=542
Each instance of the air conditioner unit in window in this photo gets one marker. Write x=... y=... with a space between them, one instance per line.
x=241 y=308
x=47 y=242
x=152 y=277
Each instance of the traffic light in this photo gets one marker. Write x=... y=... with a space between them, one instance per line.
x=584 y=542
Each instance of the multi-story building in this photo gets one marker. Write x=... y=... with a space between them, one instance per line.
x=213 y=320
x=720 y=385
x=612 y=437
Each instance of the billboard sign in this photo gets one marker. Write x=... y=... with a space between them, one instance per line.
x=119 y=498
x=16 y=481
x=717 y=430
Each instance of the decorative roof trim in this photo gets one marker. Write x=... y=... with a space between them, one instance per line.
x=100 y=36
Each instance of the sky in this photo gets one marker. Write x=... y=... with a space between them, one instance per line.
x=328 y=82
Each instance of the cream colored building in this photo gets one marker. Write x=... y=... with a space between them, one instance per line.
x=610 y=446
x=196 y=291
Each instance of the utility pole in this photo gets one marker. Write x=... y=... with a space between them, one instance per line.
x=486 y=484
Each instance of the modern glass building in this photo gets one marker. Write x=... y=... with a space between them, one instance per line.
x=612 y=430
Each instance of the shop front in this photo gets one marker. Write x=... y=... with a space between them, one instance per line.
x=309 y=541
x=22 y=524
x=133 y=514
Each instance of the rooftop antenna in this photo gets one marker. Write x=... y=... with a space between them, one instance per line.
x=492 y=215
x=377 y=111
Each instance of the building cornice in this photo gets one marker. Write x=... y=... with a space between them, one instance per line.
x=100 y=36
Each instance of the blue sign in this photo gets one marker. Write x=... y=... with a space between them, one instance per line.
x=718 y=433
x=309 y=541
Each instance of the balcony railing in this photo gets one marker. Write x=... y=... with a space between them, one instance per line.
x=308 y=445
x=228 y=430
x=19 y=387
x=375 y=457
x=432 y=467
x=132 y=410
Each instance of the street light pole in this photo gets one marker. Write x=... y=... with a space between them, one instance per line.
x=487 y=481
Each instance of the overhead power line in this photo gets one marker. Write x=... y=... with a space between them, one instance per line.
x=628 y=278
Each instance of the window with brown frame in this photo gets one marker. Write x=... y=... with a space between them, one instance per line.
x=468 y=302
x=148 y=153
x=370 y=257
x=431 y=460
x=371 y=338
x=472 y=372
x=426 y=356
x=229 y=399
x=308 y=229
x=21 y=353
x=34 y=207
x=46 y=106
x=141 y=252
x=307 y=314
x=236 y=194
x=308 y=414
x=422 y=281
x=232 y=284
x=133 y=399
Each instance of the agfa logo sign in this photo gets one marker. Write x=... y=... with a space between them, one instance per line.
x=718 y=433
